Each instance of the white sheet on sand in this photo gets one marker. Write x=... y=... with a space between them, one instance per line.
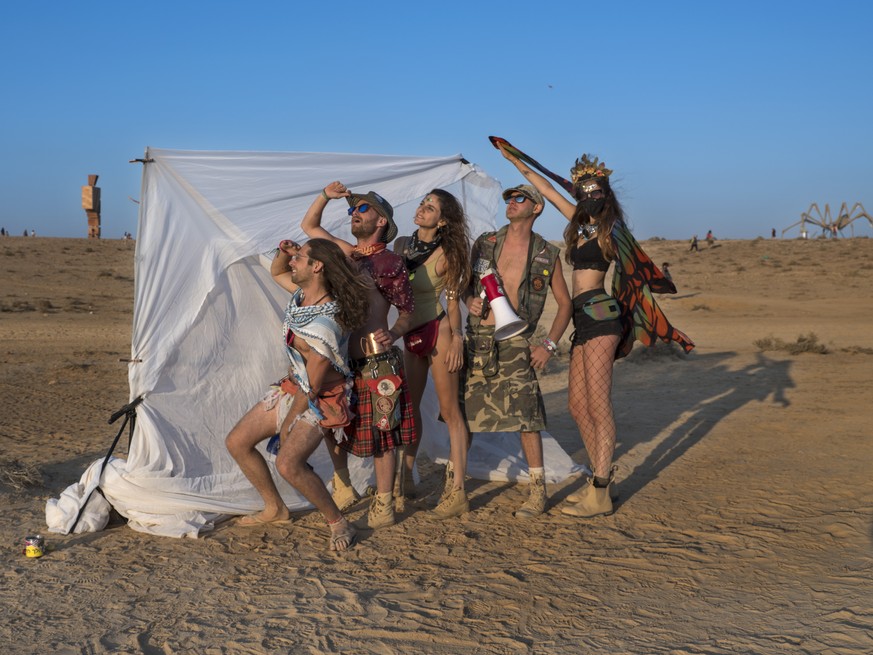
x=207 y=327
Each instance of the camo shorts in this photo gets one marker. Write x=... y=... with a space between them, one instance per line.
x=509 y=400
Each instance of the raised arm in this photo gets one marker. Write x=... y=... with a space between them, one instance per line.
x=541 y=184
x=279 y=266
x=311 y=222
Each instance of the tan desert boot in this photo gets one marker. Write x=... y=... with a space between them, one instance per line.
x=448 y=482
x=595 y=503
x=380 y=514
x=536 y=501
x=454 y=504
x=344 y=494
x=579 y=495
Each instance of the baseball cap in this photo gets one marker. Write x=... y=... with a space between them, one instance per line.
x=527 y=191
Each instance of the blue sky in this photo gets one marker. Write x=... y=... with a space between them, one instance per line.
x=730 y=116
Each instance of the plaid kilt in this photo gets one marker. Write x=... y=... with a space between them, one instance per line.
x=361 y=438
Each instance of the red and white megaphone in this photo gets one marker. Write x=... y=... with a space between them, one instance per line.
x=507 y=324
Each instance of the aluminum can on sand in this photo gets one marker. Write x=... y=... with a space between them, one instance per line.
x=34 y=546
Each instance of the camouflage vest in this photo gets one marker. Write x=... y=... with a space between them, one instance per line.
x=534 y=288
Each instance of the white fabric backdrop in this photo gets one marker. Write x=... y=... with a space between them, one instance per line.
x=207 y=325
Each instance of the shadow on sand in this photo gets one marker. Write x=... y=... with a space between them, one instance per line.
x=663 y=407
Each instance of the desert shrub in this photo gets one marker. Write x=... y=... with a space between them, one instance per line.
x=17 y=306
x=701 y=308
x=806 y=343
x=19 y=475
x=857 y=350
x=77 y=305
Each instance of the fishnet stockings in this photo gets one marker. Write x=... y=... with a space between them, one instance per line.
x=590 y=399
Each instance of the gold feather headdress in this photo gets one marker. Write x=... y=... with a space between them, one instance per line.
x=588 y=166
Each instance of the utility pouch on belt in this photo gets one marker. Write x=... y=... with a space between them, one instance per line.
x=602 y=307
x=382 y=373
x=482 y=353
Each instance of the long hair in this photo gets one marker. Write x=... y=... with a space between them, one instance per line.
x=611 y=214
x=455 y=240
x=349 y=287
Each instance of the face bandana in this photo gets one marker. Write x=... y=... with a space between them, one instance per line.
x=592 y=206
x=590 y=196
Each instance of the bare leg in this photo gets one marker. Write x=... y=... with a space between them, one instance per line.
x=338 y=456
x=253 y=428
x=446 y=385
x=384 y=465
x=416 y=379
x=291 y=464
x=300 y=443
x=532 y=445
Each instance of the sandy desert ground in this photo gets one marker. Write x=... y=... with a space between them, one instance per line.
x=744 y=523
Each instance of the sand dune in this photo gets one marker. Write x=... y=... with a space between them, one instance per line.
x=744 y=523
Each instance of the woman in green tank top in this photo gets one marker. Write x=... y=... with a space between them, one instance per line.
x=437 y=256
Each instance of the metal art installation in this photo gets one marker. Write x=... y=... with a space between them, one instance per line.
x=830 y=227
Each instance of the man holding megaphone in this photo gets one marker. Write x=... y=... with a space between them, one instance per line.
x=513 y=271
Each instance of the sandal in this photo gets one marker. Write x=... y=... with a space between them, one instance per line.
x=344 y=538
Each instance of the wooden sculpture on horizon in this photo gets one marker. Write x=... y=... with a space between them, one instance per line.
x=91 y=205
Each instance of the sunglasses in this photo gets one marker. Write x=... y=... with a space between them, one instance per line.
x=363 y=207
x=517 y=199
x=596 y=194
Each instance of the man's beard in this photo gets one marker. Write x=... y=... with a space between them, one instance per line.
x=362 y=230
